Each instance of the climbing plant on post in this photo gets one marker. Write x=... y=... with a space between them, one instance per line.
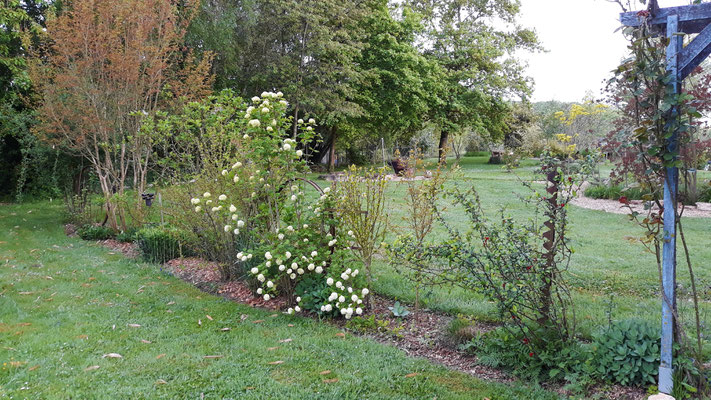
x=668 y=124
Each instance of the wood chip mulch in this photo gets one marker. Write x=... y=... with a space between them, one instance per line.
x=423 y=335
x=194 y=270
x=206 y=275
x=129 y=250
x=240 y=292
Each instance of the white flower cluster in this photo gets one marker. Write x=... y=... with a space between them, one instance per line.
x=344 y=299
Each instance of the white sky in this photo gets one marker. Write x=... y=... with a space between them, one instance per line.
x=582 y=45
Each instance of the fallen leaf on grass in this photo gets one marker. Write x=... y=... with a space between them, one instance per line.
x=334 y=380
x=199 y=323
x=272 y=348
x=259 y=321
x=290 y=325
x=161 y=382
x=225 y=329
x=326 y=372
x=412 y=375
x=112 y=355
x=33 y=368
x=92 y=368
x=276 y=362
x=243 y=317
x=171 y=303
x=286 y=340
x=83 y=337
x=213 y=356
x=274 y=315
x=159 y=356
x=249 y=388
x=134 y=326
x=17 y=363
x=146 y=341
x=341 y=334
x=25 y=293
x=208 y=317
x=49 y=278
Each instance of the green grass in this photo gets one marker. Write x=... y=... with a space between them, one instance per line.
x=64 y=303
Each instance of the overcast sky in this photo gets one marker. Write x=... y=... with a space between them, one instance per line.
x=582 y=45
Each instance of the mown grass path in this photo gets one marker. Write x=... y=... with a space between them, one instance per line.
x=65 y=304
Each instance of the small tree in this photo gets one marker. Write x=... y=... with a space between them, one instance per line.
x=361 y=206
x=420 y=218
x=109 y=64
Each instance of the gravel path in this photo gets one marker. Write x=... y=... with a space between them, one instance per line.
x=701 y=210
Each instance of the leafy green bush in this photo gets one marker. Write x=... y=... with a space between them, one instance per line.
x=95 y=232
x=627 y=353
x=705 y=192
x=545 y=358
x=614 y=192
x=127 y=236
x=160 y=244
x=313 y=291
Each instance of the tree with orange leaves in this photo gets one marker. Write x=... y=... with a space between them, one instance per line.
x=108 y=64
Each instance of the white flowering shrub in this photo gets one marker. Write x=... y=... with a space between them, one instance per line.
x=236 y=199
x=288 y=245
x=310 y=260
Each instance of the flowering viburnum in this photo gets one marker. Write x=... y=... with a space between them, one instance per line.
x=262 y=214
x=309 y=261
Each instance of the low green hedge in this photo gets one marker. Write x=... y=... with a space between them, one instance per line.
x=162 y=243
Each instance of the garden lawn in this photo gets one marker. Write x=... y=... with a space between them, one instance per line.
x=65 y=303
x=611 y=277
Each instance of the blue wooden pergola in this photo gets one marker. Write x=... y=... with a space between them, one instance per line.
x=681 y=61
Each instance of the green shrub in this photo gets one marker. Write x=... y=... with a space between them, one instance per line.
x=160 y=244
x=596 y=192
x=127 y=236
x=705 y=192
x=627 y=353
x=313 y=291
x=95 y=232
x=614 y=192
x=547 y=358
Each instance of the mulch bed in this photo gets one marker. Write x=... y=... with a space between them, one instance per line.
x=127 y=249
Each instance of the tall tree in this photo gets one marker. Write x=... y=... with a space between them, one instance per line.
x=401 y=84
x=306 y=49
x=474 y=41
x=108 y=64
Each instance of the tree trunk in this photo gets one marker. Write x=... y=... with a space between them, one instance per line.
x=549 y=245
x=443 y=139
x=332 y=152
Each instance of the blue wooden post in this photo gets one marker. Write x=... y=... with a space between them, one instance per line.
x=681 y=61
x=671 y=185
